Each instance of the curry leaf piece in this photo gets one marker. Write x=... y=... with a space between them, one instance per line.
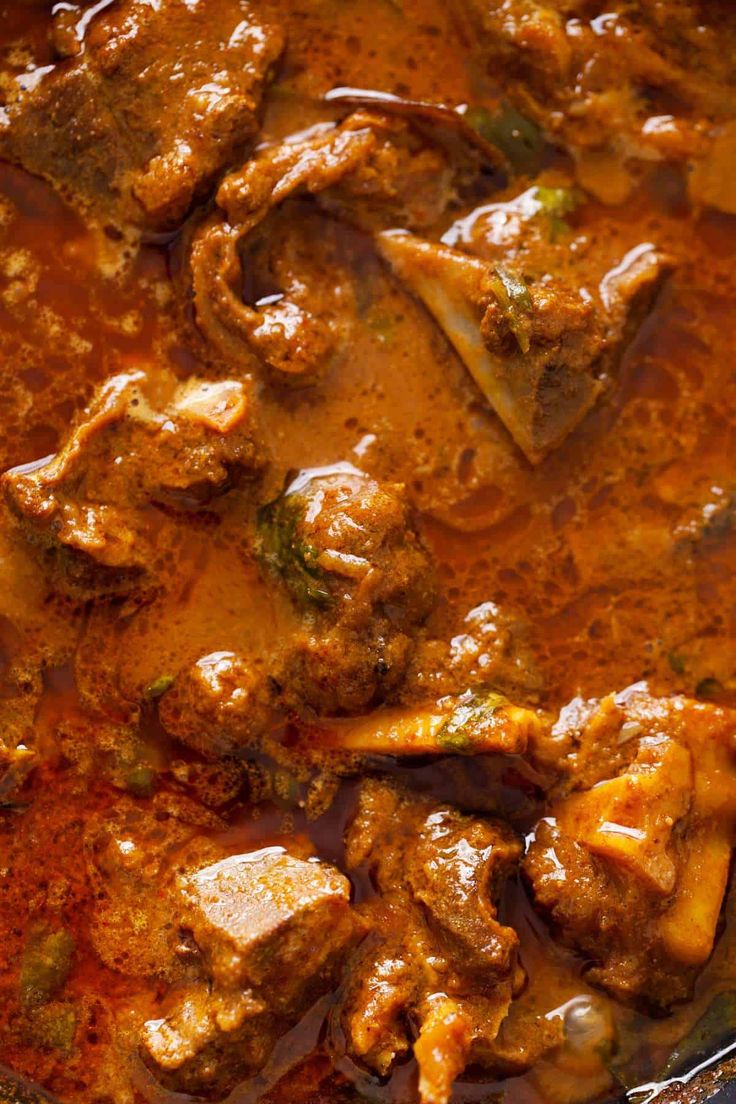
x=47 y=959
x=512 y=296
x=283 y=552
x=9 y=806
x=517 y=137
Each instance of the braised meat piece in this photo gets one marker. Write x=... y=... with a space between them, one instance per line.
x=538 y=346
x=145 y=441
x=371 y=169
x=268 y=934
x=489 y=649
x=436 y=954
x=345 y=548
x=161 y=98
x=267 y=919
x=219 y=704
x=634 y=81
x=222 y=703
x=631 y=865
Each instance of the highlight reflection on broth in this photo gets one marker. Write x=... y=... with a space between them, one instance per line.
x=368 y=549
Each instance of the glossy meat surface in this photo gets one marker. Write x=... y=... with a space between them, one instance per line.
x=367 y=549
x=154 y=101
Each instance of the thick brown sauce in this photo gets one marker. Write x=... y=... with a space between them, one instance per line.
x=575 y=545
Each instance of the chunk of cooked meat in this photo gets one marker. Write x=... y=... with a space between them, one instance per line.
x=490 y=649
x=268 y=932
x=345 y=548
x=637 y=82
x=267 y=919
x=161 y=99
x=369 y=169
x=221 y=703
x=632 y=863
x=537 y=350
x=527 y=32
x=145 y=441
x=436 y=955
x=217 y=705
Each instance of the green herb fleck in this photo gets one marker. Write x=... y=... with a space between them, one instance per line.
x=519 y=139
x=139 y=781
x=158 y=687
x=468 y=720
x=285 y=788
x=54 y=1026
x=283 y=552
x=556 y=203
x=47 y=959
x=512 y=296
x=383 y=326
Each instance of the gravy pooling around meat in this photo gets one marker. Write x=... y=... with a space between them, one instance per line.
x=367 y=548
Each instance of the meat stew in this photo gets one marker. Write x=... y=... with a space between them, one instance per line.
x=368 y=549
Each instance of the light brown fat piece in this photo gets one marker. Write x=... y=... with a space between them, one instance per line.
x=473 y=723
x=269 y=930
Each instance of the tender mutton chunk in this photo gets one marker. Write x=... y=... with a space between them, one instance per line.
x=219 y=704
x=436 y=955
x=345 y=548
x=490 y=648
x=632 y=863
x=539 y=351
x=268 y=932
x=634 y=82
x=369 y=168
x=145 y=441
x=161 y=99
x=223 y=703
